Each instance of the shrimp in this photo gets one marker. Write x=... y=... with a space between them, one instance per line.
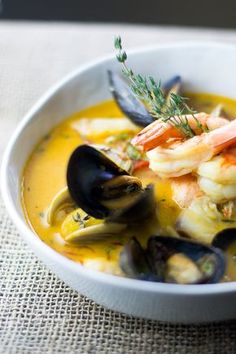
x=177 y=158
x=202 y=220
x=185 y=189
x=218 y=193
x=159 y=132
x=221 y=168
x=217 y=177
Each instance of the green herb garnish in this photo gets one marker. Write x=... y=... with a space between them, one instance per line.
x=207 y=265
x=133 y=153
x=81 y=220
x=173 y=110
x=123 y=136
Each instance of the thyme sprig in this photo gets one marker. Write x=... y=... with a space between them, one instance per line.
x=173 y=110
x=81 y=220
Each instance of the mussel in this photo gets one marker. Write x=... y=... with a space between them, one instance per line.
x=225 y=238
x=134 y=261
x=104 y=190
x=61 y=200
x=173 y=85
x=79 y=227
x=226 y=241
x=130 y=105
x=172 y=260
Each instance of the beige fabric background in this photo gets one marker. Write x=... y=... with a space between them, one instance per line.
x=39 y=313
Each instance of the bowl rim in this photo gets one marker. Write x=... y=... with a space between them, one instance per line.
x=33 y=239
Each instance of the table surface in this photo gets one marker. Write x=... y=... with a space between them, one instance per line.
x=38 y=312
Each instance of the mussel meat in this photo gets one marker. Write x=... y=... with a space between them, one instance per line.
x=79 y=227
x=62 y=200
x=104 y=190
x=173 y=260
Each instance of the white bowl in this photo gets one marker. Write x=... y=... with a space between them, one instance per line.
x=208 y=67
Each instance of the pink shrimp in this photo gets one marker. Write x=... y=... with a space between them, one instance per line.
x=178 y=158
x=159 y=132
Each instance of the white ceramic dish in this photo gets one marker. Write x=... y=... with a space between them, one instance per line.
x=208 y=67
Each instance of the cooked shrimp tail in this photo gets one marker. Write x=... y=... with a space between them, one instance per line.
x=223 y=137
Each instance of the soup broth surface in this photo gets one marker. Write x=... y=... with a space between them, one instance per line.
x=45 y=175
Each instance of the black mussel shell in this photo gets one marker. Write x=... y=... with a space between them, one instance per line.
x=157 y=255
x=133 y=261
x=210 y=261
x=87 y=169
x=133 y=108
x=174 y=82
x=224 y=238
x=142 y=208
x=91 y=180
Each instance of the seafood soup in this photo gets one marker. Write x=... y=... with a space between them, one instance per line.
x=141 y=186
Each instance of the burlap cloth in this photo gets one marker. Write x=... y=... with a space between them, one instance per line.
x=39 y=313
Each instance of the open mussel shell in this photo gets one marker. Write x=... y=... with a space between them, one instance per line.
x=104 y=190
x=142 y=207
x=175 y=260
x=88 y=169
x=224 y=238
x=79 y=227
x=134 y=262
x=95 y=232
x=197 y=262
x=61 y=200
x=133 y=108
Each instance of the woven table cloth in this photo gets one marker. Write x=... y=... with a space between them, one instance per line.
x=38 y=312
